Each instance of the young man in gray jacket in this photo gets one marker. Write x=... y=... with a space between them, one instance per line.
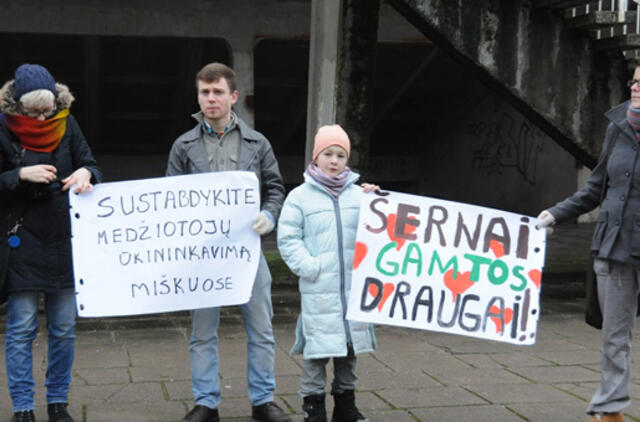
x=221 y=141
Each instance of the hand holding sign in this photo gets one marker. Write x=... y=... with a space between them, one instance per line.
x=444 y=266
x=167 y=244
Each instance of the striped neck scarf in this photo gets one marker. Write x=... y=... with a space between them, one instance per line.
x=333 y=184
x=38 y=135
x=633 y=118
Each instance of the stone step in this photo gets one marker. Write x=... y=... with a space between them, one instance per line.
x=560 y=4
x=285 y=300
x=286 y=307
x=599 y=20
x=619 y=42
x=566 y=262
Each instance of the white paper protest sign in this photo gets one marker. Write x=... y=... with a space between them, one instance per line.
x=445 y=266
x=165 y=244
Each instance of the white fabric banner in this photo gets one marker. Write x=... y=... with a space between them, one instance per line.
x=445 y=266
x=165 y=244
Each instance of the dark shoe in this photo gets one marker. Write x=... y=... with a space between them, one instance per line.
x=24 y=416
x=345 y=409
x=58 y=412
x=313 y=407
x=269 y=412
x=202 y=414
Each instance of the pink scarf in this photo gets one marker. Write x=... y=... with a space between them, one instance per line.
x=333 y=184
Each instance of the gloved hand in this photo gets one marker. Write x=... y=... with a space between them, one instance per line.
x=546 y=221
x=263 y=223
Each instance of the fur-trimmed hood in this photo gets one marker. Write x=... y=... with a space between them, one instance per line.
x=8 y=105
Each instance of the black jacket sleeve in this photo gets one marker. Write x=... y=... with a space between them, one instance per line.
x=81 y=153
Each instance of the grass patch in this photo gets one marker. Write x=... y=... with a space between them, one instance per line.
x=281 y=274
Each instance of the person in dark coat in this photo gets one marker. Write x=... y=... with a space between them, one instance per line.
x=615 y=247
x=43 y=154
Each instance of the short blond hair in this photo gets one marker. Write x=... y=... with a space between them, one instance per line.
x=40 y=98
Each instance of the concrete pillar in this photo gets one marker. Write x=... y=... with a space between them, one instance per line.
x=323 y=53
x=242 y=56
x=355 y=83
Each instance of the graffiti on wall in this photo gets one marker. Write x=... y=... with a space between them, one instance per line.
x=507 y=141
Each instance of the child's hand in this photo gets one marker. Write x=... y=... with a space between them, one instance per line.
x=368 y=187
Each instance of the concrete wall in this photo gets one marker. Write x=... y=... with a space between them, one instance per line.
x=547 y=71
x=505 y=156
x=240 y=22
x=496 y=158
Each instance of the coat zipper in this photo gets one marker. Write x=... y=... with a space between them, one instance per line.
x=343 y=299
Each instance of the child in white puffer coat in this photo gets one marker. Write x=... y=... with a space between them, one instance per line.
x=316 y=237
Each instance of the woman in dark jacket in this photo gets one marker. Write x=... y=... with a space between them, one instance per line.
x=43 y=153
x=615 y=247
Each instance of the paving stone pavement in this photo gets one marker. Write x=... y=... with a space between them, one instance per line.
x=142 y=374
x=137 y=369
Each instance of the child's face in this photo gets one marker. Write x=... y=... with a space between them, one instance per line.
x=332 y=160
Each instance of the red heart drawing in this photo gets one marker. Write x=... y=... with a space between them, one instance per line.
x=536 y=277
x=387 y=289
x=459 y=284
x=391 y=225
x=508 y=316
x=497 y=248
x=360 y=252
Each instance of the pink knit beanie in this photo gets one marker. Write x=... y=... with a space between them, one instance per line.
x=328 y=136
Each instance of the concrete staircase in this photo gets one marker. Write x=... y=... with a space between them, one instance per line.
x=613 y=25
x=560 y=63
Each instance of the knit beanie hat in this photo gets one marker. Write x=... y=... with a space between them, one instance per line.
x=328 y=136
x=31 y=77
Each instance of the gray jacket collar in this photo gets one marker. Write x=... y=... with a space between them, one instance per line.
x=199 y=116
x=246 y=133
x=249 y=146
x=618 y=116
